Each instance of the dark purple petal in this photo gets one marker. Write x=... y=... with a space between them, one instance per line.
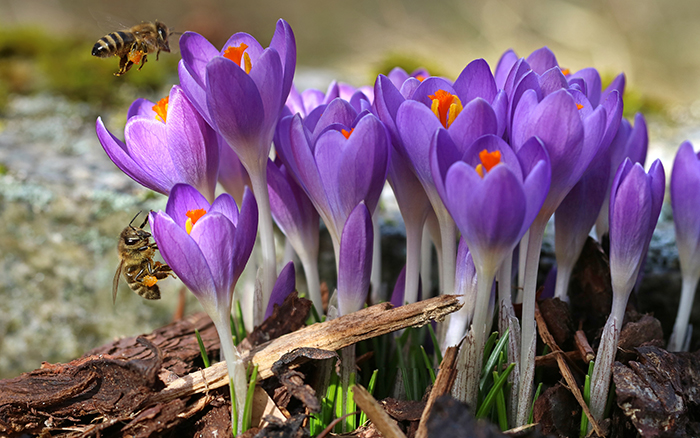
x=552 y=80
x=194 y=92
x=397 y=296
x=617 y=84
x=397 y=76
x=386 y=102
x=475 y=81
x=183 y=255
x=254 y=49
x=235 y=104
x=268 y=75
x=417 y=125
x=428 y=87
x=232 y=175
x=638 y=141
x=593 y=84
x=184 y=198
x=214 y=234
x=338 y=112
x=284 y=42
x=500 y=107
x=225 y=204
x=492 y=143
x=542 y=60
x=685 y=201
x=196 y=52
x=246 y=230
x=355 y=260
x=141 y=107
x=505 y=64
x=537 y=169
x=476 y=119
x=443 y=154
x=613 y=107
x=285 y=285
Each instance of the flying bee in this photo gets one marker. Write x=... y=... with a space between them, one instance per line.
x=136 y=262
x=133 y=45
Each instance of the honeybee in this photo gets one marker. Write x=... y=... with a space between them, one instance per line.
x=136 y=253
x=133 y=45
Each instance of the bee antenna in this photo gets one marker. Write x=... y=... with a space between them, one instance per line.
x=134 y=218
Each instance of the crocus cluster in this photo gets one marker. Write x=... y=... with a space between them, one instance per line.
x=490 y=156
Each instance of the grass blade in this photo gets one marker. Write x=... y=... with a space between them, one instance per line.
x=202 y=350
x=490 y=398
x=248 y=408
x=493 y=357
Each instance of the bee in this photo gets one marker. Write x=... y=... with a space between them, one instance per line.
x=136 y=253
x=133 y=45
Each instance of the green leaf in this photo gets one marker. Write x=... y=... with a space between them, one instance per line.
x=490 y=398
x=248 y=408
x=436 y=346
x=428 y=366
x=534 y=399
x=202 y=350
x=493 y=357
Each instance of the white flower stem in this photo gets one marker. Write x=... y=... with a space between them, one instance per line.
x=561 y=287
x=313 y=285
x=680 y=328
x=448 y=236
x=234 y=365
x=267 y=239
x=529 y=333
x=479 y=328
x=602 y=370
x=522 y=257
x=426 y=260
x=376 y=274
x=414 y=240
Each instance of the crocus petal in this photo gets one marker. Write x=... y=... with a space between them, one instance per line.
x=234 y=104
x=476 y=119
x=443 y=153
x=284 y=42
x=117 y=152
x=194 y=91
x=246 y=230
x=141 y=107
x=685 y=201
x=338 y=112
x=182 y=199
x=268 y=75
x=552 y=80
x=355 y=262
x=196 y=52
x=428 y=87
x=254 y=49
x=593 y=84
x=192 y=144
x=387 y=101
x=542 y=60
x=303 y=164
x=183 y=256
x=475 y=81
x=285 y=285
x=226 y=205
x=146 y=144
x=214 y=235
x=417 y=125
x=505 y=64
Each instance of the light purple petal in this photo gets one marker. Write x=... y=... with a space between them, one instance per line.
x=476 y=119
x=417 y=124
x=268 y=76
x=141 y=107
x=226 y=205
x=475 y=81
x=505 y=64
x=542 y=60
x=685 y=201
x=194 y=91
x=146 y=144
x=184 y=198
x=214 y=234
x=284 y=42
x=196 y=52
x=246 y=230
x=593 y=84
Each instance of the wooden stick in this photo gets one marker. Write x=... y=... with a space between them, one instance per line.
x=583 y=346
x=381 y=420
x=330 y=335
x=443 y=385
x=550 y=359
x=564 y=369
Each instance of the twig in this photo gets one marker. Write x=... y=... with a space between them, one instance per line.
x=565 y=371
x=443 y=385
x=550 y=359
x=583 y=346
x=381 y=420
x=330 y=335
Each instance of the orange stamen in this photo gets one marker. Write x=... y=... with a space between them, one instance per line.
x=192 y=217
x=579 y=106
x=238 y=54
x=161 y=109
x=445 y=106
x=565 y=71
x=421 y=78
x=149 y=280
x=488 y=161
x=347 y=133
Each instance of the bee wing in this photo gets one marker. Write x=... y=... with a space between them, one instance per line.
x=115 y=282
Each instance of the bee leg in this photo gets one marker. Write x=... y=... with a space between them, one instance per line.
x=124 y=65
x=143 y=61
x=157 y=54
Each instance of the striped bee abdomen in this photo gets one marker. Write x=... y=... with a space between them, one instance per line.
x=113 y=43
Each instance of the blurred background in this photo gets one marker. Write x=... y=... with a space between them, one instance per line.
x=63 y=203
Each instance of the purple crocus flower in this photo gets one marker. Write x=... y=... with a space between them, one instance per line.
x=685 y=201
x=355 y=261
x=285 y=285
x=241 y=91
x=469 y=108
x=571 y=139
x=207 y=246
x=298 y=220
x=635 y=204
x=339 y=163
x=310 y=99
x=493 y=196
x=165 y=144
